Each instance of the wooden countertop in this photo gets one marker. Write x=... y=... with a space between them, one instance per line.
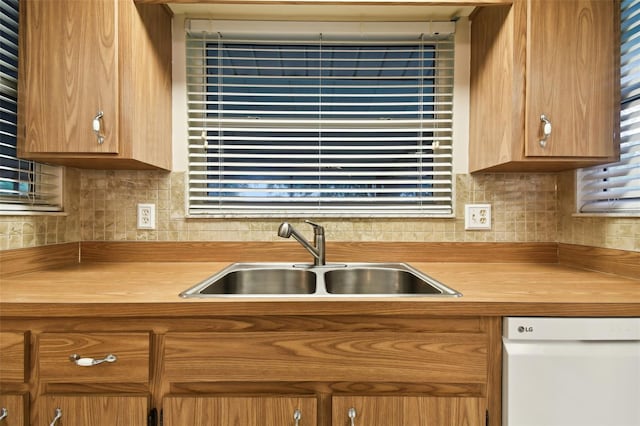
x=139 y=289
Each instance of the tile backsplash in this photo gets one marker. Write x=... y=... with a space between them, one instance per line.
x=524 y=205
x=102 y=206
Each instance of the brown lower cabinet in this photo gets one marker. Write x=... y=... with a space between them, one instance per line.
x=258 y=411
x=13 y=410
x=302 y=411
x=262 y=370
x=94 y=410
x=406 y=411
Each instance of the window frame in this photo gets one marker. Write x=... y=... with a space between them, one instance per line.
x=203 y=25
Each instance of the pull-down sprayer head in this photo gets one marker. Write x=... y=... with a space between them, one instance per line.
x=317 y=249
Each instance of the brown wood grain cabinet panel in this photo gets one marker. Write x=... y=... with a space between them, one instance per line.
x=79 y=58
x=131 y=350
x=253 y=411
x=71 y=73
x=94 y=410
x=535 y=57
x=13 y=356
x=326 y=356
x=16 y=409
x=407 y=411
x=570 y=61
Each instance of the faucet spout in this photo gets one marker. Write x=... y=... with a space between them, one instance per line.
x=317 y=249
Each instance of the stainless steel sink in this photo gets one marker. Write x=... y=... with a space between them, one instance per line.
x=256 y=279
x=264 y=281
x=376 y=281
x=333 y=280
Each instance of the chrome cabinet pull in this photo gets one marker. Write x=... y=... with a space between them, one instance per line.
x=58 y=416
x=97 y=127
x=297 y=415
x=352 y=415
x=546 y=130
x=3 y=413
x=89 y=362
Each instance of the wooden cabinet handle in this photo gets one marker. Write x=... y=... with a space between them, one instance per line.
x=89 y=362
x=297 y=415
x=3 y=413
x=57 y=416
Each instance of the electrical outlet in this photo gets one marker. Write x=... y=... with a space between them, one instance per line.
x=146 y=216
x=477 y=216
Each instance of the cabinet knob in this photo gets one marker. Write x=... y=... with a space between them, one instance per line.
x=57 y=416
x=97 y=127
x=352 y=415
x=297 y=415
x=546 y=130
x=89 y=362
x=4 y=413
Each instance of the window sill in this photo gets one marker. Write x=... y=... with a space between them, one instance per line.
x=31 y=213
x=630 y=215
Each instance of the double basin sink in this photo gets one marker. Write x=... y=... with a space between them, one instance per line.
x=331 y=280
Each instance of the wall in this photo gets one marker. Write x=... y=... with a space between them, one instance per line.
x=591 y=230
x=32 y=230
x=101 y=205
x=524 y=205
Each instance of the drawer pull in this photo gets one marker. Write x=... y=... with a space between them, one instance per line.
x=58 y=416
x=352 y=416
x=297 y=415
x=89 y=362
x=3 y=413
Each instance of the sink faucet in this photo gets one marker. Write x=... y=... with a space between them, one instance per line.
x=317 y=249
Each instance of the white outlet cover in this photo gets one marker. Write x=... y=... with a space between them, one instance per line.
x=477 y=217
x=146 y=216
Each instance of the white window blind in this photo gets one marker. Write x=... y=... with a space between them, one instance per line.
x=615 y=188
x=320 y=124
x=24 y=185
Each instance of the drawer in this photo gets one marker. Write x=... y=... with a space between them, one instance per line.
x=327 y=356
x=131 y=352
x=13 y=352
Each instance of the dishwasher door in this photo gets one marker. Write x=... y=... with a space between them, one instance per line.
x=571 y=371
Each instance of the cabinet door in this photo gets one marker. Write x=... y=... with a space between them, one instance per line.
x=77 y=41
x=93 y=410
x=570 y=77
x=244 y=411
x=13 y=410
x=407 y=411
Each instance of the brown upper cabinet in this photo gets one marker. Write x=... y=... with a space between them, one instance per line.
x=544 y=85
x=95 y=84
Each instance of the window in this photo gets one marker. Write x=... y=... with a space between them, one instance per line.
x=615 y=188
x=24 y=185
x=318 y=123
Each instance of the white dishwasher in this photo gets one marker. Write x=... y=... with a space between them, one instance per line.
x=571 y=372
